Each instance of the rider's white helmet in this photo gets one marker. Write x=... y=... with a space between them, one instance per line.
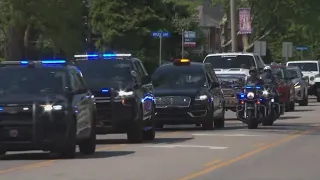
x=267 y=68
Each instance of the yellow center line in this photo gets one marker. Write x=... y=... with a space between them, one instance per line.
x=246 y=155
x=213 y=162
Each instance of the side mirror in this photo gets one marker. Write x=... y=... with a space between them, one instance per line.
x=146 y=79
x=215 y=85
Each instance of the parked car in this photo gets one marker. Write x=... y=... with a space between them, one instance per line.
x=300 y=85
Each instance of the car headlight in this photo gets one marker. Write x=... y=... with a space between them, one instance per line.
x=250 y=95
x=49 y=107
x=201 y=97
x=125 y=93
x=297 y=87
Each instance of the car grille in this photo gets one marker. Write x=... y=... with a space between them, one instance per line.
x=174 y=101
x=17 y=113
x=228 y=92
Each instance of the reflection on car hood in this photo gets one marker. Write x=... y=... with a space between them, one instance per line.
x=115 y=85
x=176 y=92
x=29 y=98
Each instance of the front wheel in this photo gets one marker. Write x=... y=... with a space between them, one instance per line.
x=150 y=134
x=69 y=149
x=318 y=97
x=252 y=123
x=88 y=146
x=2 y=152
x=305 y=101
x=135 y=132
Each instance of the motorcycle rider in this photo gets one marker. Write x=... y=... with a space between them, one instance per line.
x=270 y=81
x=254 y=77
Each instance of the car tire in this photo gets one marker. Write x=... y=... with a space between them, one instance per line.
x=268 y=122
x=292 y=106
x=209 y=121
x=304 y=102
x=135 y=132
x=219 y=123
x=287 y=107
x=318 y=97
x=68 y=151
x=150 y=134
x=88 y=146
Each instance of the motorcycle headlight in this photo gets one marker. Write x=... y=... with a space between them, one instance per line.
x=125 y=93
x=250 y=95
x=49 y=107
x=201 y=97
x=265 y=93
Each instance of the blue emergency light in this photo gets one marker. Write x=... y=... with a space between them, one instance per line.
x=46 y=62
x=103 y=56
x=251 y=87
x=242 y=96
x=105 y=90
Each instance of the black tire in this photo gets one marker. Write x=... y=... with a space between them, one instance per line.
x=292 y=106
x=318 y=97
x=268 y=122
x=88 y=146
x=209 y=121
x=68 y=151
x=150 y=134
x=135 y=132
x=287 y=107
x=252 y=123
x=219 y=123
x=305 y=101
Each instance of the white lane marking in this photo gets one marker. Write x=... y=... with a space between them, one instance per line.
x=188 y=146
x=227 y=135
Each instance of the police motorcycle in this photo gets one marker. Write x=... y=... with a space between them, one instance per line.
x=251 y=108
x=273 y=108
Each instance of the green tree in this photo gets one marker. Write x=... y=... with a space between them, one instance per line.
x=59 y=21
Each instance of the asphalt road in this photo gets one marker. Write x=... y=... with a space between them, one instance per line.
x=286 y=151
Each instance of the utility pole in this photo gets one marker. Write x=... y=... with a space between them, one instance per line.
x=233 y=25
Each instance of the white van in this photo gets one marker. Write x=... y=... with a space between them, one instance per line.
x=310 y=68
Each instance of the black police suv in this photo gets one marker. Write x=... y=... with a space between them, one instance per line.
x=188 y=93
x=45 y=105
x=123 y=94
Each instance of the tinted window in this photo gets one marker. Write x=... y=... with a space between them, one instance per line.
x=226 y=62
x=305 y=66
x=100 y=72
x=179 y=77
x=31 y=81
x=278 y=73
x=293 y=73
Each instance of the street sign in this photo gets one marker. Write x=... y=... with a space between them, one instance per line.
x=287 y=49
x=160 y=34
x=189 y=38
x=260 y=47
x=302 y=48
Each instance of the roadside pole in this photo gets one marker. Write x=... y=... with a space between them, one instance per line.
x=160 y=50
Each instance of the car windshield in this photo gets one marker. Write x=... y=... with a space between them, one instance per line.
x=179 y=77
x=293 y=73
x=227 y=77
x=230 y=61
x=31 y=81
x=278 y=73
x=98 y=73
x=305 y=66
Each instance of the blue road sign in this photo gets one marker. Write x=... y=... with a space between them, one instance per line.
x=160 y=34
x=302 y=48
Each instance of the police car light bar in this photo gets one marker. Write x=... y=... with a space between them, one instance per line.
x=116 y=55
x=104 y=55
x=86 y=55
x=46 y=62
